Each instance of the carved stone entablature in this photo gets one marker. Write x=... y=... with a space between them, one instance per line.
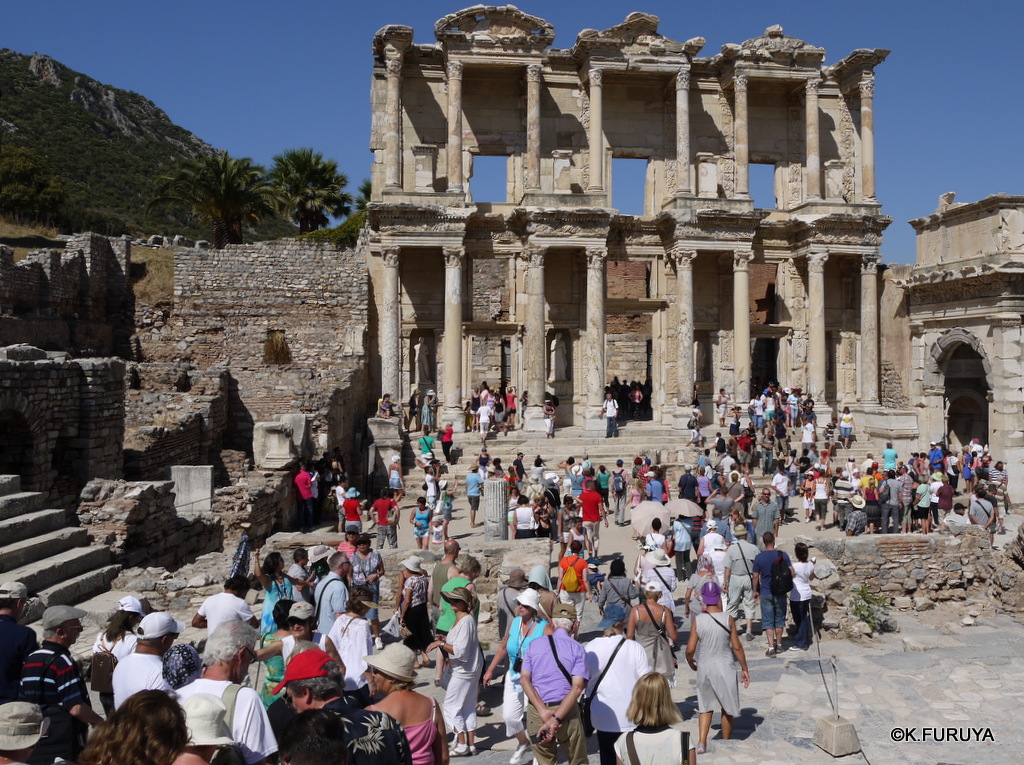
x=633 y=230
x=393 y=39
x=964 y=290
x=774 y=47
x=407 y=218
x=851 y=70
x=578 y=222
x=487 y=27
x=710 y=225
x=856 y=230
x=636 y=36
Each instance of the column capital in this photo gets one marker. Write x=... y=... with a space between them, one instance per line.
x=596 y=76
x=596 y=256
x=816 y=260
x=393 y=66
x=533 y=255
x=453 y=256
x=683 y=78
x=867 y=86
x=681 y=258
x=869 y=265
x=453 y=70
x=811 y=87
x=533 y=72
x=390 y=254
x=739 y=84
x=741 y=259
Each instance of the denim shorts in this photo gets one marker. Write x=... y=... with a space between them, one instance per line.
x=773 y=611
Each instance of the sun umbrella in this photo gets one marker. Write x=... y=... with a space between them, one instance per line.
x=646 y=512
x=684 y=507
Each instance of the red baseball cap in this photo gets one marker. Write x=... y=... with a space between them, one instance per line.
x=306 y=665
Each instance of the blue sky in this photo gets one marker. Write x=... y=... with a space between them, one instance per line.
x=259 y=77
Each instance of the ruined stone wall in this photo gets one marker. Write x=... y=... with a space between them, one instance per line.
x=313 y=297
x=894 y=340
x=76 y=300
x=138 y=522
x=264 y=500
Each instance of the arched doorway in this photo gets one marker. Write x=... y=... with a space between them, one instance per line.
x=16 y=446
x=966 y=391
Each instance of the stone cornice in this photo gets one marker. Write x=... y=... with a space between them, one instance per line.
x=957 y=212
x=588 y=222
x=415 y=219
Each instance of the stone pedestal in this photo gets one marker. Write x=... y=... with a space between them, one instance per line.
x=386 y=442
x=837 y=736
x=495 y=506
x=193 y=488
x=279 y=444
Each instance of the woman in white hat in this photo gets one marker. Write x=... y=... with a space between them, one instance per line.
x=462 y=647
x=660 y=571
x=395 y=482
x=419 y=715
x=414 y=610
x=208 y=731
x=652 y=626
x=116 y=641
x=524 y=629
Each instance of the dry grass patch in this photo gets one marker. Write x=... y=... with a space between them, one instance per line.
x=24 y=239
x=153 y=275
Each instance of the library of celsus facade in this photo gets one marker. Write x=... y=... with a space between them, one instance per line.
x=554 y=289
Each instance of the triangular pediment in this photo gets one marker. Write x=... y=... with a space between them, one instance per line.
x=775 y=46
x=489 y=25
x=637 y=35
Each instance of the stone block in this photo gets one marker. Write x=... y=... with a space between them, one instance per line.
x=837 y=736
x=193 y=488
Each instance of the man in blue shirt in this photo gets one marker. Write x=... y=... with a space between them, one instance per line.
x=16 y=640
x=936 y=458
x=554 y=676
x=773 y=607
x=889 y=457
x=474 y=483
x=656 y=489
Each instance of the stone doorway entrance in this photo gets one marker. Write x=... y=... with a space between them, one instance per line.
x=16 y=448
x=966 y=395
x=764 y=362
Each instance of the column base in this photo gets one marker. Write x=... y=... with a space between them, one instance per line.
x=533 y=420
x=595 y=426
x=455 y=416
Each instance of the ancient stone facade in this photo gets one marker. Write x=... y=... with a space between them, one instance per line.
x=732 y=295
x=61 y=420
x=77 y=301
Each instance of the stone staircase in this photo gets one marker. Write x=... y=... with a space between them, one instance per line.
x=57 y=563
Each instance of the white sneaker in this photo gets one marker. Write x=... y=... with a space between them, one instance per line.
x=460 y=751
x=522 y=755
x=378 y=644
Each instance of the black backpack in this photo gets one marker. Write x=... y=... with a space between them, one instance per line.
x=782 y=577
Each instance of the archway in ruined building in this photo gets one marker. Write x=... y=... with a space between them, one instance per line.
x=16 y=447
x=966 y=392
x=966 y=418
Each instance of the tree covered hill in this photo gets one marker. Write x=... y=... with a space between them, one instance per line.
x=107 y=146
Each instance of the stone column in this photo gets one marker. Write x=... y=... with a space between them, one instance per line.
x=812 y=163
x=495 y=507
x=867 y=137
x=596 y=137
x=816 y=363
x=740 y=140
x=685 y=372
x=683 y=185
x=869 y=331
x=533 y=72
x=390 y=352
x=455 y=181
x=534 y=354
x=393 y=124
x=741 y=323
x=594 y=337
x=452 y=383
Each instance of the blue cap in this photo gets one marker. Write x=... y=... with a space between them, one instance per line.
x=618 y=463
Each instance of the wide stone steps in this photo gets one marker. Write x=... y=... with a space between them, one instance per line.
x=39 y=547
x=57 y=563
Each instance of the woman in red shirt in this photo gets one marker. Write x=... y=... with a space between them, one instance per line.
x=447 y=438
x=352 y=513
x=384 y=529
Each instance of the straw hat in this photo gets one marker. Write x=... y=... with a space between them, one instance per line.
x=394 y=661
x=460 y=593
x=413 y=564
x=318 y=553
x=21 y=725
x=517 y=579
x=658 y=557
x=204 y=715
x=858 y=502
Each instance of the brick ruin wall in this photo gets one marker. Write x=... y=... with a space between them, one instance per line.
x=139 y=524
x=76 y=300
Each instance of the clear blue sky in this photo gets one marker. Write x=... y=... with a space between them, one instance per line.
x=261 y=76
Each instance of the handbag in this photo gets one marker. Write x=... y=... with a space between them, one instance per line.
x=588 y=726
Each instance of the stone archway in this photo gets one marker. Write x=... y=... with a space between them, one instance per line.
x=944 y=347
x=959 y=367
x=966 y=417
x=17 y=445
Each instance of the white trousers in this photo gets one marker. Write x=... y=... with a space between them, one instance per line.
x=460 y=704
x=513 y=705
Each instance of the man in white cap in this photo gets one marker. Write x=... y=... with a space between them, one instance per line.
x=21 y=727
x=52 y=679
x=143 y=670
x=16 y=640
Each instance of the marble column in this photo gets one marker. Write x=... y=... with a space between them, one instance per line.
x=685 y=372
x=452 y=382
x=869 y=330
x=867 y=137
x=740 y=138
x=741 y=323
x=816 y=362
x=455 y=180
x=683 y=184
x=533 y=77
x=812 y=162
x=596 y=136
x=390 y=351
x=534 y=352
x=393 y=123
x=594 y=353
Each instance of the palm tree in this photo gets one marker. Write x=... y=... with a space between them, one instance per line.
x=221 y=190
x=365 y=192
x=310 y=187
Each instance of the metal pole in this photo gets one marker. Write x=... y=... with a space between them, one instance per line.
x=835 y=688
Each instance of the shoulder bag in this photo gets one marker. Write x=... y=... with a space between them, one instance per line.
x=588 y=726
x=662 y=633
x=568 y=677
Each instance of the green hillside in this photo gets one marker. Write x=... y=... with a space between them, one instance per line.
x=106 y=145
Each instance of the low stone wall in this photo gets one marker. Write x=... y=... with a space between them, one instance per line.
x=138 y=522
x=262 y=502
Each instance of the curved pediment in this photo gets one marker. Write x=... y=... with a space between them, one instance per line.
x=775 y=46
x=638 y=34
x=490 y=25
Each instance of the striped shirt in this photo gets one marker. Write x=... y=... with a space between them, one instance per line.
x=51 y=677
